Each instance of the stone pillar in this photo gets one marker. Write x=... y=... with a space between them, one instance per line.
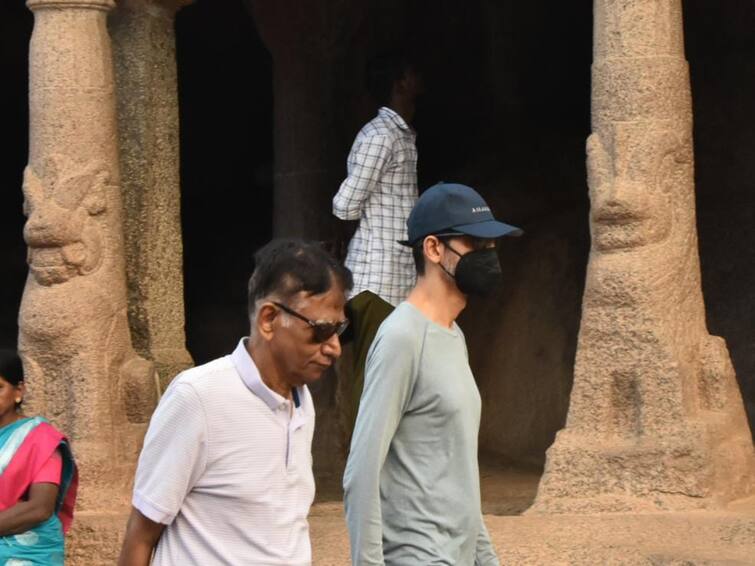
x=308 y=42
x=147 y=103
x=656 y=418
x=81 y=369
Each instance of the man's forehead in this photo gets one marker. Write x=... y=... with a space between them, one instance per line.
x=335 y=296
x=476 y=243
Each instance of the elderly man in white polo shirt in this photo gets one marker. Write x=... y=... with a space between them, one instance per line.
x=225 y=475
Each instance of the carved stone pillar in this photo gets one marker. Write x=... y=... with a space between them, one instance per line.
x=147 y=102
x=656 y=418
x=74 y=338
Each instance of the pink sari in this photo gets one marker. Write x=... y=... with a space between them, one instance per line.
x=23 y=455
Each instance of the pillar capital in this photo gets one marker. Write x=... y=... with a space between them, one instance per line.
x=104 y=5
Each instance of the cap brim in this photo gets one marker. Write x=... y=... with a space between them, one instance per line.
x=440 y=234
x=488 y=229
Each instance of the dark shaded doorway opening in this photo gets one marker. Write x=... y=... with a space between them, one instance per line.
x=507 y=111
x=225 y=109
x=720 y=47
x=16 y=23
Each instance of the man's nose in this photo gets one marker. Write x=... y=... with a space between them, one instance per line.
x=332 y=346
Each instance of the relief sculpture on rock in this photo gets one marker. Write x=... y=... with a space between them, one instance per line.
x=62 y=231
x=74 y=334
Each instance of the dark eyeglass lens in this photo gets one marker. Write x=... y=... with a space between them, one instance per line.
x=323 y=331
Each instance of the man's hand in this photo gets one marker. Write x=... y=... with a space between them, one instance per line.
x=140 y=541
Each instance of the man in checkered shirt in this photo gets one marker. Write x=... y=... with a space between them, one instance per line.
x=381 y=187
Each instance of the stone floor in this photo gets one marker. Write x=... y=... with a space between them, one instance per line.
x=695 y=538
x=724 y=537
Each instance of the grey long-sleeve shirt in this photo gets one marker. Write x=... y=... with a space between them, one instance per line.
x=412 y=484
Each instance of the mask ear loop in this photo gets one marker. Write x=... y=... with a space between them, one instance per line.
x=451 y=275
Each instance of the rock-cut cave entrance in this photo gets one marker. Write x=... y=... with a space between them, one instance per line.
x=506 y=111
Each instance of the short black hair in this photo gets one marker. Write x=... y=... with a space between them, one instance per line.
x=287 y=266
x=383 y=71
x=11 y=369
x=418 y=253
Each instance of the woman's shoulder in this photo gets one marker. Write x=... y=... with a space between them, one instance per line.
x=43 y=427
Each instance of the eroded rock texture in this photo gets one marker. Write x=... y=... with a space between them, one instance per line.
x=147 y=103
x=656 y=419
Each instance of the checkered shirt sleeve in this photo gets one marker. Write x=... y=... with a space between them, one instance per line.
x=368 y=164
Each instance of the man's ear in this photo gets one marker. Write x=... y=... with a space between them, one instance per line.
x=431 y=247
x=264 y=321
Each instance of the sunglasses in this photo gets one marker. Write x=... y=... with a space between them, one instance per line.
x=322 y=331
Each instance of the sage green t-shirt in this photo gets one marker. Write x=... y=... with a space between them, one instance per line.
x=412 y=483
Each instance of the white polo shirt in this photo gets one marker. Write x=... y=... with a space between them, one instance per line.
x=227 y=466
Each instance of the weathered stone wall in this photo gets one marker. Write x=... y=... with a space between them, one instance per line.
x=522 y=340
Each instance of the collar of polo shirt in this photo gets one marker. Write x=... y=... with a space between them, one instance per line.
x=250 y=375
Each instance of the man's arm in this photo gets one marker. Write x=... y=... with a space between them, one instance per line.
x=172 y=460
x=389 y=378
x=140 y=540
x=485 y=555
x=371 y=157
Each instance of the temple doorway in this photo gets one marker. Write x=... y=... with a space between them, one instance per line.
x=225 y=113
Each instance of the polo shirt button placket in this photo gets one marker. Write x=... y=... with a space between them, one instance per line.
x=284 y=408
x=289 y=442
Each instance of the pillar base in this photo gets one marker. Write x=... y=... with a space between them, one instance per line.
x=684 y=470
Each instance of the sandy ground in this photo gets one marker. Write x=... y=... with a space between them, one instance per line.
x=695 y=538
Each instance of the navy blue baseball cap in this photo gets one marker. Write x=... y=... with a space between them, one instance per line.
x=451 y=208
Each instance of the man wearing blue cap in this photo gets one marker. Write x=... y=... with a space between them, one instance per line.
x=412 y=485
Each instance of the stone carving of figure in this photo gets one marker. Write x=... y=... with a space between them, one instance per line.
x=74 y=334
x=63 y=208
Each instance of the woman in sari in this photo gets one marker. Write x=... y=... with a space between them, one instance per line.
x=38 y=478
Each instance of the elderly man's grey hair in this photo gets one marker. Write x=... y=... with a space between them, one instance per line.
x=285 y=267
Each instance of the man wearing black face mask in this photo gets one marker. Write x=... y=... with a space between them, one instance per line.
x=412 y=489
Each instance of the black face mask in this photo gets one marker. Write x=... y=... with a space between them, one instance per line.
x=478 y=272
